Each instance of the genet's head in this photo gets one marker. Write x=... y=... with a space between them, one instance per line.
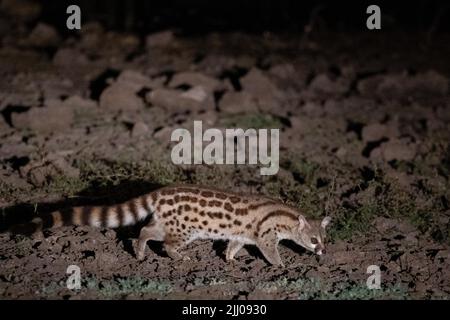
x=312 y=235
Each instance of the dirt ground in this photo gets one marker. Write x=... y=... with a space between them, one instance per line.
x=365 y=128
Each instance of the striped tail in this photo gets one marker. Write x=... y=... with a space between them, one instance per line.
x=124 y=214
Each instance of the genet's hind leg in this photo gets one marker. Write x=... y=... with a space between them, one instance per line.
x=172 y=245
x=232 y=248
x=152 y=231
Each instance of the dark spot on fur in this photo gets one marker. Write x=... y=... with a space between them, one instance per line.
x=235 y=199
x=215 y=203
x=221 y=196
x=228 y=207
x=206 y=194
x=241 y=212
x=167 y=192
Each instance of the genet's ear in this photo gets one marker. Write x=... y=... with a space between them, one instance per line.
x=325 y=222
x=302 y=222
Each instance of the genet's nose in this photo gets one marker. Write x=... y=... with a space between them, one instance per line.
x=319 y=250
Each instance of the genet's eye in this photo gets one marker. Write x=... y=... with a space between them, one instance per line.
x=314 y=240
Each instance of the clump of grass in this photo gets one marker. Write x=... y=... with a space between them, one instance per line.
x=104 y=173
x=68 y=186
x=303 y=171
x=128 y=286
x=252 y=120
x=313 y=288
x=200 y=282
x=8 y=192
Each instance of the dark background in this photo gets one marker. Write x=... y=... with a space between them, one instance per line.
x=197 y=16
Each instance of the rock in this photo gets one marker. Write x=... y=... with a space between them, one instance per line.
x=215 y=65
x=286 y=76
x=67 y=57
x=139 y=129
x=195 y=79
x=13 y=179
x=21 y=10
x=238 y=102
x=53 y=118
x=260 y=86
x=197 y=94
x=313 y=109
x=195 y=99
x=324 y=86
x=403 y=179
x=398 y=150
x=20 y=90
x=77 y=102
x=91 y=35
x=43 y=36
x=377 y=131
x=40 y=172
x=428 y=84
x=120 y=96
x=164 y=134
x=255 y=82
x=134 y=79
x=54 y=88
x=159 y=39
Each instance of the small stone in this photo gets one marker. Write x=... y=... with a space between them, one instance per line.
x=323 y=85
x=194 y=99
x=21 y=10
x=79 y=102
x=164 y=134
x=139 y=129
x=197 y=94
x=374 y=132
x=159 y=39
x=54 y=118
x=120 y=96
x=262 y=88
x=398 y=150
x=134 y=79
x=67 y=57
x=43 y=36
x=195 y=79
x=238 y=102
